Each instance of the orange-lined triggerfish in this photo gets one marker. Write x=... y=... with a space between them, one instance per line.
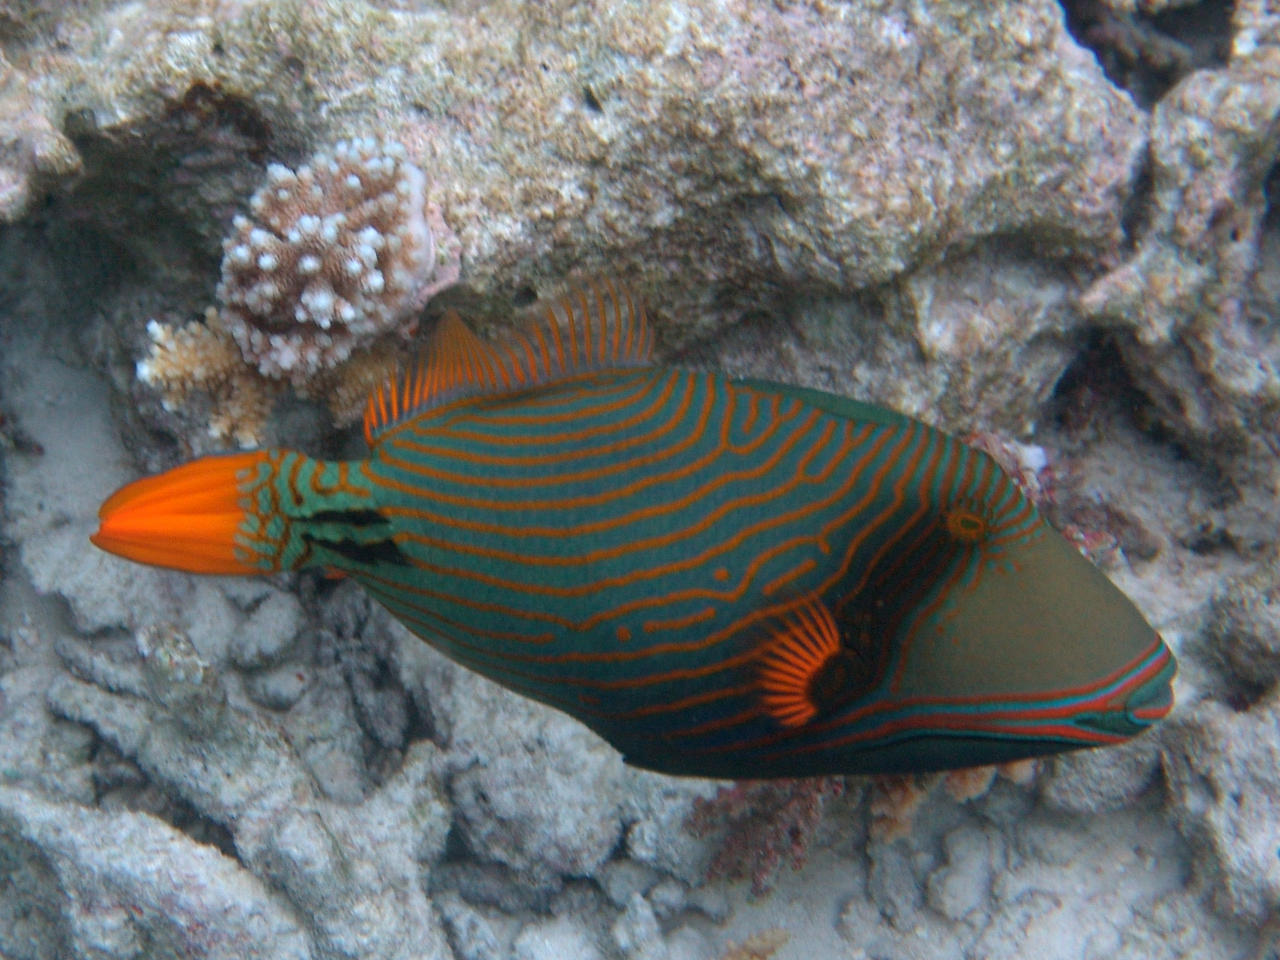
x=722 y=577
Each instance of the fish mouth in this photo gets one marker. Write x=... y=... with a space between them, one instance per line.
x=1152 y=701
x=1143 y=700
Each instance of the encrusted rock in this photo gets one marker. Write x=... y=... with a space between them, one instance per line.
x=1201 y=340
x=555 y=939
x=963 y=885
x=1094 y=781
x=543 y=795
x=79 y=883
x=353 y=872
x=1244 y=627
x=34 y=154
x=637 y=934
x=1223 y=770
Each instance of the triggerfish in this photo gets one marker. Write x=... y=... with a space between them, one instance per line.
x=722 y=577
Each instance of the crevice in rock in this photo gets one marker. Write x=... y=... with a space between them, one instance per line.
x=121 y=202
x=420 y=725
x=1135 y=216
x=1242 y=696
x=121 y=784
x=1269 y=236
x=182 y=816
x=60 y=263
x=487 y=885
x=1146 y=54
x=1263 y=302
x=1271 y=190
x=1098 y=406
x=152 y=188
x=1097 y=385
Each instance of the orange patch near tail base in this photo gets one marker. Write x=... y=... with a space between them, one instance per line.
x=794 y=661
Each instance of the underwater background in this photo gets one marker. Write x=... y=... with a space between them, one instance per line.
x=1050 y=228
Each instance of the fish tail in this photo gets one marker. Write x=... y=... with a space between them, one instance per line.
x=207 y=516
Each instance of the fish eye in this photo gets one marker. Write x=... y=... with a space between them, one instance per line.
x=965 y=524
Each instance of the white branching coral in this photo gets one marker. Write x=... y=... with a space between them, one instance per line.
x=335 y=255
x=203 y=357
x=318 y=286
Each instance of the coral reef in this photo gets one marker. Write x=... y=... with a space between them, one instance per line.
x=905 y=203
x=202 y=358
x=726 y=170
x=316 y=289
x=761 y=822
x=330 y=861
x=337 y=254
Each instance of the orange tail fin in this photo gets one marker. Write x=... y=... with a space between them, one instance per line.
x=189 y=518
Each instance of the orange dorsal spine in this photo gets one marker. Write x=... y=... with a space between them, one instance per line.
x=597 y=326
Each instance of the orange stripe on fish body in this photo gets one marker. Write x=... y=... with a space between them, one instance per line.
x=722 y=577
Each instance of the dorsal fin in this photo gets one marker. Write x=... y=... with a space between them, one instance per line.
x=595 y=327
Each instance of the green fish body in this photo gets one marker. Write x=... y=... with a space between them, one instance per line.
x=721 y=577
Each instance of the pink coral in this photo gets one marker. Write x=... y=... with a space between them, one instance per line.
x=762 y=821
x=337 y=254
x=896 y=798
